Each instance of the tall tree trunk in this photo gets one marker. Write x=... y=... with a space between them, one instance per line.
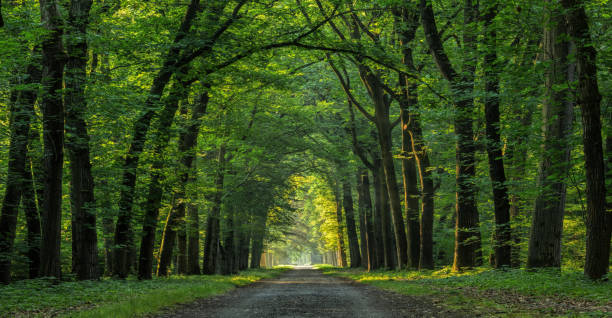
x=28 y=201
x=467 y=233
x=340 y=232
x=193 y=242
x=181 y=258
x=547 y=221
x=366 y=201
x=407 y=21
x=518 y=159
x=21 y=113
x=229 y=246
x=384 y=135
x=123 y=227
x=502 y=243
x=351 y=230
x=187 y=142
x=382 y=215
x=53 y=59
x=179 y=91
x=363 y=233
x=259 y=231
x=85 y=239
x=168 y=238
x=211 y=241
x=599 y=221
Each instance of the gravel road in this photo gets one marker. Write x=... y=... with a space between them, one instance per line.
x=306 y=292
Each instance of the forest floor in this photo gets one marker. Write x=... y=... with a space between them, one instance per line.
x=116 y=298
x=484 y=292
x=307 y=292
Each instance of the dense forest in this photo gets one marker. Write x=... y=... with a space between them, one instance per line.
x=190 y=137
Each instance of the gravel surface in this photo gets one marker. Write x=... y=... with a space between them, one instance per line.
x=306 y=292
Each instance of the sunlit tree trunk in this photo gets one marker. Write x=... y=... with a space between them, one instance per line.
x=340 y=232
x=351 y=230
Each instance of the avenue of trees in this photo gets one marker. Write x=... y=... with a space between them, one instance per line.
x=163 y=137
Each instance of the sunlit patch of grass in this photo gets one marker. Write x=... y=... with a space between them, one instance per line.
x=116 y=298
x=463 y=290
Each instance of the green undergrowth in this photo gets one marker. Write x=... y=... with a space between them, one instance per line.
x=116 y=298
x=511 y=292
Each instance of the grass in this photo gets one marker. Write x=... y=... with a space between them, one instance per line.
x=116 y=298
x=511 y=293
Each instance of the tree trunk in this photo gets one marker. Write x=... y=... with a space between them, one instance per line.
x=502 y=234
x=193 y=243
x=85 y=239
x=179 y=91
x=467 y=233
x=259 y=232
x=406 y=21
x=181 y=258
x=168 y=237
x=123 y=227
x=211 y=241
x=21 y=113
x=599 y=226
x=385 y=237
x=52 y=107
x=371 y=237
x=384 y=135
x=363 y=232
x=28 y=201
x=229 y=246
x=351 y=230
x=547 y=221
x=341 y=248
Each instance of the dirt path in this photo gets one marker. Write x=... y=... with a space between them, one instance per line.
x=306 y=292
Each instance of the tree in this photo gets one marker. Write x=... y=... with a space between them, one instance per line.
x=547 y=221
x=599 y=220
x=52 y=106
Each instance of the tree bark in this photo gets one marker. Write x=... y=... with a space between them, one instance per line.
x=502 y=235
x=547 y=221
x=467 y=233
x=123 y=227
x=363 y=235
x=407 y=21
x=160 y=141
x=365 y=202
x=53 y=60
x=211 y=241
x=85 y=240
x=351 y=230
x=28 y=201
x=599 y=221
x=382 y=216
x=340 y=233
x=21 y=115
x=193 y=240
x=259 y=232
